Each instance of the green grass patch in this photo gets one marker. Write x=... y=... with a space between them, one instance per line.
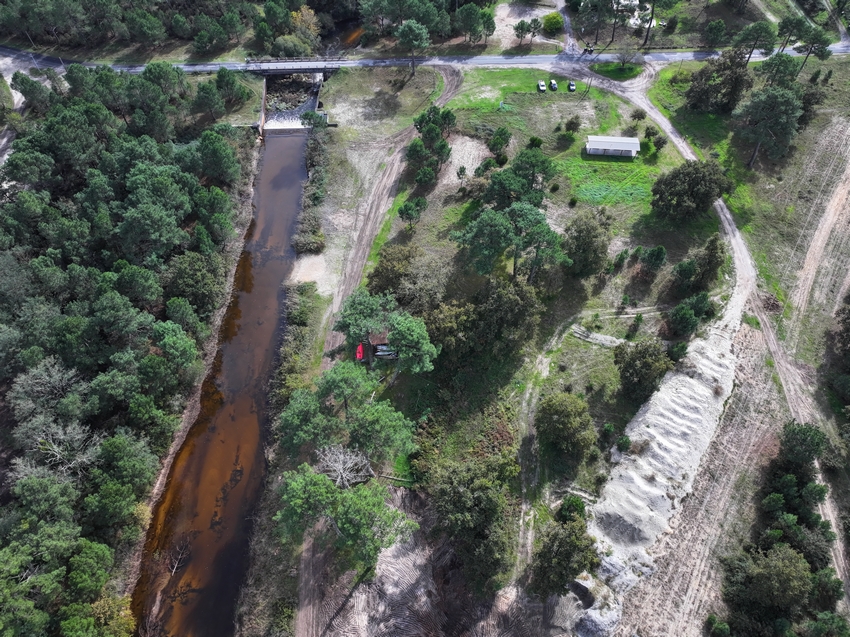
x=752 y=321
x=6 y=99
x=483 y=89
x=384 y=233
x=616 y=71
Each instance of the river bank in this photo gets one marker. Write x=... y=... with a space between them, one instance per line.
x=197 y=541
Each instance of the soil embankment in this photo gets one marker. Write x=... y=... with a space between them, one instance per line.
x=196 y=550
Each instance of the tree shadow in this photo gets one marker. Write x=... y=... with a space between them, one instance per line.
x=383 y=105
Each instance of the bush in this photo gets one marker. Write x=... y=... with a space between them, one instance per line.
x=553 y=23
x=624 y=443
x=659 y=142
x=650 y=132
x=683 y=321
x=641 y=367
x=290 y=46
x=654 y=258
x=672 y=23
x=535 y=142
x=571 y=506
x=486 y=166
x=564 y=422
x=501 y=159
x=573 y=124
x=638 y=114
x=573 y=202
x=677 y=351
x=555 y=187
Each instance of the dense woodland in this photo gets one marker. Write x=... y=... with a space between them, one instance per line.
x=115 y=207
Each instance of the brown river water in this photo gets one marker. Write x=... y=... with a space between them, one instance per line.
x=216 y=478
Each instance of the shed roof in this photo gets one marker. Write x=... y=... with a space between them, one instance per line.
x=613 y=143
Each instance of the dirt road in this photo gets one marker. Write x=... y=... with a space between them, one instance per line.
x=370 y=214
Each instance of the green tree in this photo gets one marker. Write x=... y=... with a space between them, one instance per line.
x=416 y=152
x=277 y=16
x=218 y=160
x=586 y=242
x=88 y=570
x=827 y=624
x=366 y=524
x=229 y=87
x=198 y=279
x=683 y=320
x=534 y=28
x=757 y=33
x=779 y=69
x=145 y=28
x=305 y=497
x=303 y=421
x=411 y=211
x=770 y=120
x=469 y=500
x=488 y=24
x=363 y=313
x=486 y=238
x=394 y=266
x=127 y=460
x=565 y=552
x=792 y=27
x=689 y=189
x=780 y=579
x=641 y=367
x=522 y=29
x=468 y=19
x=409 y=339
x=715 y=32
x=801 y=445
x=553 y=23
x=721 y=83
x=346 y=381
x=413 y=36
x=564 y=422
x=501 y=137
x=208 y=99
x=381 y=431
x=38 y=97
x=533 y=166
x=814 y=41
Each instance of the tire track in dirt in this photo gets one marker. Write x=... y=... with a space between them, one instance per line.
x=370 y=213
x=835 y=215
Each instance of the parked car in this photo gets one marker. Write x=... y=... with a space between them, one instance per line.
x=541 y=86
x=553 y=85
x=572 y=87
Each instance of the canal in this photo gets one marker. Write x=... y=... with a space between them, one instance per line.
x=196 y=550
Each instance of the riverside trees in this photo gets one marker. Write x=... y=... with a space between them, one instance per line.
x=110 y=244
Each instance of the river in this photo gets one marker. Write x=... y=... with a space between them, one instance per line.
x=217 y=476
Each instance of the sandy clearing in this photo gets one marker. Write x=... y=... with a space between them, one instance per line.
x=507 y=15
x=314 y=267
x=466 y=151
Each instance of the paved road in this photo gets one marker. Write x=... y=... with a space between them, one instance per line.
x=841 y=48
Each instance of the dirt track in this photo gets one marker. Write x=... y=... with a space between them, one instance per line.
x=370 y=214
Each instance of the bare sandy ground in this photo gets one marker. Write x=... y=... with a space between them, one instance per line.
x=507 y=15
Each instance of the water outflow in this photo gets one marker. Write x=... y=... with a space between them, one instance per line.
x=201 y=524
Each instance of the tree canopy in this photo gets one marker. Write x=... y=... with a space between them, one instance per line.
x=689 y=189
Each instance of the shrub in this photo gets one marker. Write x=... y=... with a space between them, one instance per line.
x=555 y=187
x=573 y=201
x=486 y=166
x=535 y=142
x=672 y=23
x=638 y=114
x=677 y=351
x=654 y=258
x=650 y=132
x=573 y=124
x=621 y=257
x=659 y=142
x=553 y=23
x=682 y=320
x=501 y=159
x=563 y=421
x=570 y=507
x=624 y=443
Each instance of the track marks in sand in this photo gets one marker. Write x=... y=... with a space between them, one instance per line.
x=717 y=515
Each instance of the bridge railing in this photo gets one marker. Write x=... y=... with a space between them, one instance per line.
x=315 y=59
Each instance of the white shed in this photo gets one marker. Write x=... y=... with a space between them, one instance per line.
x=604 y=145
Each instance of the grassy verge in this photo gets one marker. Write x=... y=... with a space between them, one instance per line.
x=617 y=71
x=7 y=102
x=384 y=233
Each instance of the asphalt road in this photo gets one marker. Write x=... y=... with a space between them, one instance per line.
x=841 y=48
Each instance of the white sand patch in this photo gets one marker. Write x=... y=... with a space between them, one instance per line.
x=314 y=267
x=466 y=151
x=507 y=15
x=669 y=436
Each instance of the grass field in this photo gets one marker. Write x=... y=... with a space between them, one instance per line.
x=617 y=71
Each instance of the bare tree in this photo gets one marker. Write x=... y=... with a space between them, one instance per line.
x=629 y=55
x=346 y=467
x=179 y=553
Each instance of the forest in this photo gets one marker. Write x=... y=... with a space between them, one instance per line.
x=117 y=202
